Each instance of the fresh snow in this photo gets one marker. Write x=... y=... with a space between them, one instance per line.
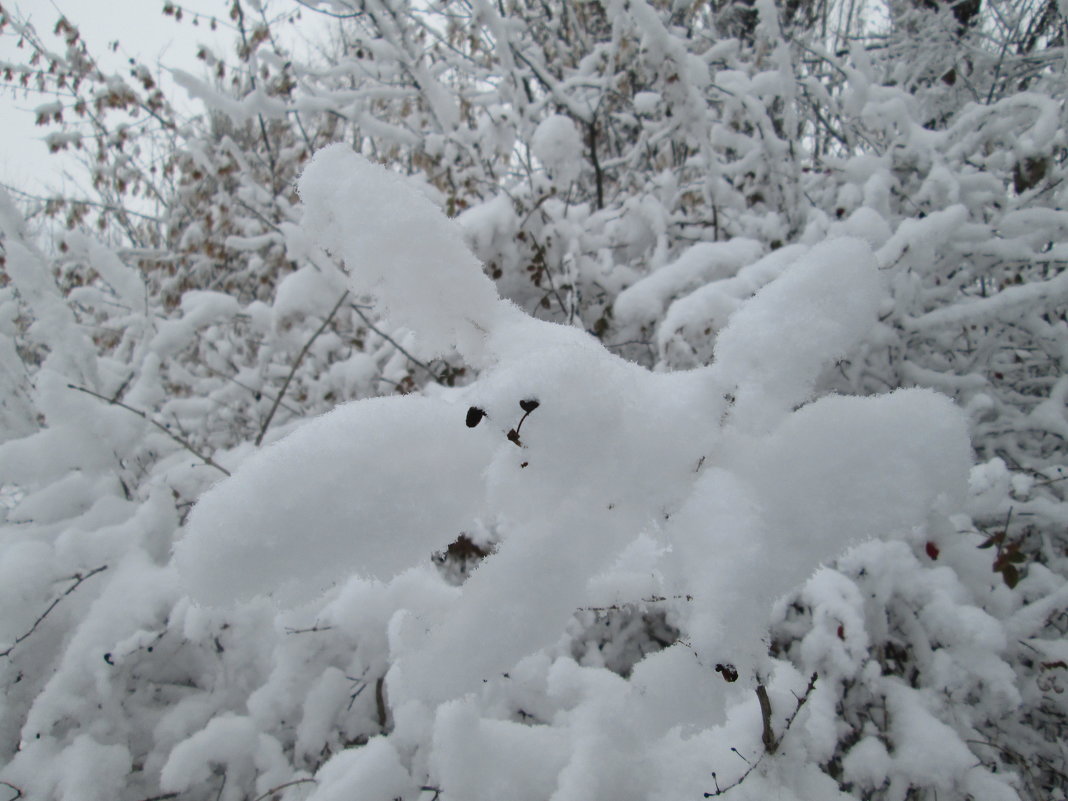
x=734 y=483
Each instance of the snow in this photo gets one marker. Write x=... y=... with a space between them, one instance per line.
x=557 y=144
x=373 y=771
x=823 y=304
x=53 y=321
x=91 y=771
x=257 y=102
x=700 y=264
x=127 y=285
x=646 y=102
x=201 y=308
x=304 y=292
x=347 y=466
x=1013 y=301
x=233 y=743
x=706 y=473
x=419 y=280
x=704 y=312
x=867 y=763
x=484 y=759
x=63 y=499
x=758 y=503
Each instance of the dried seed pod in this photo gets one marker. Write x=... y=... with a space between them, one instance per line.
x=474 y=416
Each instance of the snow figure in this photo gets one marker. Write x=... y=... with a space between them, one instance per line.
x=726 y=486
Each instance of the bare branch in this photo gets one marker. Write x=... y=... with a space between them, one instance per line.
x=78 y=579
x=296 y=364
x=771 y=742
x=83 y=201
x=309 y=630
x=274 y=790
x=652 y=599
x=244 y=386
x=393 y=342
x=162 y=427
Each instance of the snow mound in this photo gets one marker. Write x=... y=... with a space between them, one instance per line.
x=360 y=490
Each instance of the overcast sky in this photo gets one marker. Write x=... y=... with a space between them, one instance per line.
x=142 y=31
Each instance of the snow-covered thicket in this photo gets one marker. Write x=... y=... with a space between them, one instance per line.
x=727 y=292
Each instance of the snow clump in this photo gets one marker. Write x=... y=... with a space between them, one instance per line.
x=558 y=145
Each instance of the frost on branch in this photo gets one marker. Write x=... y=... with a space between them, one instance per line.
x=726 y=485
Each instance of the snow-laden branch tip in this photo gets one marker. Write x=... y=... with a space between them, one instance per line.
x=78 y=579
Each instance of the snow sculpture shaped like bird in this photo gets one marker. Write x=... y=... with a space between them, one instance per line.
x=743 y=484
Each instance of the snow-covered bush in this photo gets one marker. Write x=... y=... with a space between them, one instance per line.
x=793 y=223
x=605 y=484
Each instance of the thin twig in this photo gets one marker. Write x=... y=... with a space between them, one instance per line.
x=354 y=696
x=78 y=578
x=125 y=384
x=244 y=386
x=393 y=342
x=274 y=790
x=73 y=202
x=309 y=630
x=652 y=599
x=296 y=364
x=144 y=416
x=776 y=741
x=1018 y=759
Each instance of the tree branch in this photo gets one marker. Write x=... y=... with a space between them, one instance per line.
x=598 y=173
x=296 y=364
x=768 y=735
x=78 y=580
x=144 y=416
x=274 y=790
x=393 y=342
x=771 y=742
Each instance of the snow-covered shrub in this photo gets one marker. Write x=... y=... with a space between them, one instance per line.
x=805 y=207
x=607 y=484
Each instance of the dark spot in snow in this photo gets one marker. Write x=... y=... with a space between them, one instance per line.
x=729 y=672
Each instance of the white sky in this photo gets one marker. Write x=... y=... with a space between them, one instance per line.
x=142 y=32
